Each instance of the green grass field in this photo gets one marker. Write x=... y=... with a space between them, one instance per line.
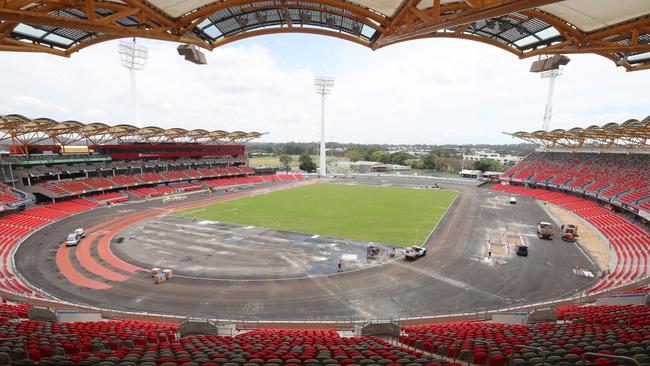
x=392 y=215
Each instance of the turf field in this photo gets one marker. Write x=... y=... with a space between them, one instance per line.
x=392 y=215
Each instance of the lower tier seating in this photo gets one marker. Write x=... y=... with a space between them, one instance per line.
x=622 y=330
x=130 y=342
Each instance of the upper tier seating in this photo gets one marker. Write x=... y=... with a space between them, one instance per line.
x=150 y=177
x=624 y=177
x=99 y=183
x=174 y=175
x=126 y=180
x=630 y=243
x=73 y=186
x=53 y=188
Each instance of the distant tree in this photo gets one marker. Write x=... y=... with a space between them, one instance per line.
x=292 y=148
x=381 y=156
x=308 y=165
x=303 y=158
x=485 y=165
x=356 y=154
x=400 y=157
x=429 y=162
x=286 y=160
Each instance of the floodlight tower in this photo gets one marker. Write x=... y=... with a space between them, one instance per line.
x=133 y=57
x=324 y=86
x=550 y=68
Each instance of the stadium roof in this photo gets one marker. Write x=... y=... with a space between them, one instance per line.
x=23 y=131
x=618 y=30
x=632 y=134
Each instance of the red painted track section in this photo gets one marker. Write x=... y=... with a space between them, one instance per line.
x=65 y=266
x=89 y=263
x=102 y=234
x=104 y=249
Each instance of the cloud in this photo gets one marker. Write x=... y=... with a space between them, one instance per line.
x=432 y=91
x=45 y=106
x=94 y=115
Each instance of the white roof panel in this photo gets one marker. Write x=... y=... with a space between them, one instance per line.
x=591 y=15
x=386 y=7
x=178 y=8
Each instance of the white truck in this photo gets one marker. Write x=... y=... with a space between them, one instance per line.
x=75 y=237
x=414 y=252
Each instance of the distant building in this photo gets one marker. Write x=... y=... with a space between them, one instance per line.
x=373 y=166
x=491 y=155
x=473 y=174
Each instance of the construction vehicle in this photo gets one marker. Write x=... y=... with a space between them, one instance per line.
x=569 y=232
x=372 y=252
x=517 y=240
x=501 y=243
x=545 y=230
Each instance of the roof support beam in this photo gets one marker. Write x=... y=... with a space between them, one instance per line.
x=27 y=17
x=90 y=10
x=500 y=8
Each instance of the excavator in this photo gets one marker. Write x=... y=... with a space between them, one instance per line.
x=569 y=232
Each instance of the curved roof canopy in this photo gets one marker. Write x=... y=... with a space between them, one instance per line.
x=616 y=29
x=633 y=134
x=24 y=131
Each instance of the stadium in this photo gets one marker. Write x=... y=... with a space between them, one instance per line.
x=130 y=245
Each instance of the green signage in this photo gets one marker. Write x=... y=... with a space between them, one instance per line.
x=62 y=161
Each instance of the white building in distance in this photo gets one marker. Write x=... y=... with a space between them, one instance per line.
x=491 y=155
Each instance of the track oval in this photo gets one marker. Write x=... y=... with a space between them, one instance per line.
x=451 y=278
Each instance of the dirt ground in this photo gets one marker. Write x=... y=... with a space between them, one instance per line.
x=589 y=239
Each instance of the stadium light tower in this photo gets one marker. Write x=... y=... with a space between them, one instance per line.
x=133 y=57
x=324 y=86
x=550 y=68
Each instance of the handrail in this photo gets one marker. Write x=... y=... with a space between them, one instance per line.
x=624 y=359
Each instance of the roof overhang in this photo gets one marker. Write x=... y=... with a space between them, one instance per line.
x=618 y=30
x=631 y=134
x=23 y=131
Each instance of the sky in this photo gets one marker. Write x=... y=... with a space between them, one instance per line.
x=430 y=91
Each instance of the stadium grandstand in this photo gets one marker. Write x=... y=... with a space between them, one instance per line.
x=469 y=301
x=46 y=159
